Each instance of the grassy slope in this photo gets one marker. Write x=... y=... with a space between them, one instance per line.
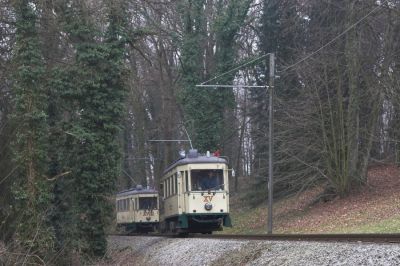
x=372 y=209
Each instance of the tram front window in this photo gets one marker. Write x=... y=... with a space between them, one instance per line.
x=148 y=203
x=207 y=180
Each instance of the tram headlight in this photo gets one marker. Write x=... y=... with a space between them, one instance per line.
x=208 y=206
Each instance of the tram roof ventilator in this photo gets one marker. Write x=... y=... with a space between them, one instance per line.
x=193 y=153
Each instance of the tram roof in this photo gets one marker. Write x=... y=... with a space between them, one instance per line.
x=135 y=191
x=197 y=160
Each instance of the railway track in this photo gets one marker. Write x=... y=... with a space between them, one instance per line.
x=370 y=238
x=367 y=238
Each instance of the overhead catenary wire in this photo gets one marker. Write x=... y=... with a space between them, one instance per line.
x=236 y=68
x=130 y=177
x=334 y=39
x=232 y=86
x=306 y=57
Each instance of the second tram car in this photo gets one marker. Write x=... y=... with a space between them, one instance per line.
x=194 y=195
x=137 y=210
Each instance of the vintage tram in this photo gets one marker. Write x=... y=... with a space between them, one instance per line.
x=137 y=210
x=195 y=195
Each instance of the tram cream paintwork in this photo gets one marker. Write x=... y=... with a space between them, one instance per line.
x=132 y=215
x=188 y=201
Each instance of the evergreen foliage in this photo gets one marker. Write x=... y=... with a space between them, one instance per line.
x=206 y=110
x=92 y=93
x=32 y=190
x=62 y=104
x=194 y=99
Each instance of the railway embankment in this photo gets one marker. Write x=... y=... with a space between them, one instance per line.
x=141 y=250
x=373 y=208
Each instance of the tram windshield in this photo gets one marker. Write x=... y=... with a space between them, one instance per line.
x=148 y=203
x=207 y=180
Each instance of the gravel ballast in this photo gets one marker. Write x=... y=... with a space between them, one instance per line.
x=140 y=250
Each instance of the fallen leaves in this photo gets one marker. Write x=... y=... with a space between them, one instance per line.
x=374 y=202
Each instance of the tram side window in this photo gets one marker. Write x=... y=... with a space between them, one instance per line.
x=162 y=190
x=123 y=205
x=176 y=183
x=166 y=188
x=187 y=180
x=183 y=181
x=169 y=187
x=172 y=185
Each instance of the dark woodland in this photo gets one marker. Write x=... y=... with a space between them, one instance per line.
x=85 y=86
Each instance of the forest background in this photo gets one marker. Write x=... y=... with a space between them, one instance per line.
x=84 y=86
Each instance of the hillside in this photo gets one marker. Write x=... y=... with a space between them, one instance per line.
x=374 y=208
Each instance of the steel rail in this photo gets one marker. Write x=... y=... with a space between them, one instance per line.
x=365 y=238
x=371 y=238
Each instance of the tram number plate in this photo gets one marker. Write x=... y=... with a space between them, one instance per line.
x=148 y=213
x=208 y=198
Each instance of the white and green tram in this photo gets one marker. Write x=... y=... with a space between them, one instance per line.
x=194 y=195
x=137 y=210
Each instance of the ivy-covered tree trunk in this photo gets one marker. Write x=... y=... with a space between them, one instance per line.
x=209 y=28
x=32 y=189
x=194 y=99
x=96 y=101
